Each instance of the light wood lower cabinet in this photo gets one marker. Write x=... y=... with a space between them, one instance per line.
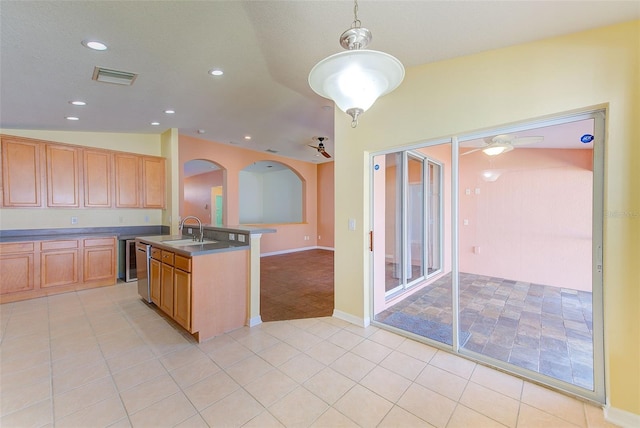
x=17 y=267
x=166 y=289
x=32 y=269
x=182 y=292
x=99 y=259
x=155 y=270
x=205 y=294
x=59 y=263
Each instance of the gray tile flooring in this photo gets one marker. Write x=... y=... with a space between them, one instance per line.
x=538 y=327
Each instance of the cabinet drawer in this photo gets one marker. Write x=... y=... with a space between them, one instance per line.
x=182 y=263
x=156 y=253
x=99 y=242
x=16 y=247
x=58 y=245
x=167 y=257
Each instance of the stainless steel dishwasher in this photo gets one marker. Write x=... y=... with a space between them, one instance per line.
x=143 y=256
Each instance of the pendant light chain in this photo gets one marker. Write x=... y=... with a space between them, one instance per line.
x=356 y=22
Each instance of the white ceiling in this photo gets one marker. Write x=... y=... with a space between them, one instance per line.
x=266 y=49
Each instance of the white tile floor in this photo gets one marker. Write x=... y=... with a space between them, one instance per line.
x=101 y=358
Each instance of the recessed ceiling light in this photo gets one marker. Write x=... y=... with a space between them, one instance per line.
x=72 y=118
x=216 y=72
x=169 y=111
x=155 y=123
x=78 y=103
x=201 y=131
x=95 y=45
x=247 y=137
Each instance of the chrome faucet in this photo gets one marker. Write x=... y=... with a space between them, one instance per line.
x=199 y=224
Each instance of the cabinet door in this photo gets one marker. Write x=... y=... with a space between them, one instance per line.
x=182 y=298
x=166 y=289
x=127 y=180
x=97 y=178
x=155 y=271
x=99 y=263
x=59 y=268
x=153 y=182
x=21 y=173
x=16 y=267
x=63 y=187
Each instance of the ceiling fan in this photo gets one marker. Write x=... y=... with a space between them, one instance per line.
x=504 y=143
x=320 y=146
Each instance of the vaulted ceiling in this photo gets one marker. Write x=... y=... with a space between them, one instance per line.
x=265 y=48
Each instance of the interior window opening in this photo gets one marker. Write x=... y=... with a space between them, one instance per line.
x=270 y=193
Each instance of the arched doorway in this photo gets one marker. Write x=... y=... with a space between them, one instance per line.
x=204 y=191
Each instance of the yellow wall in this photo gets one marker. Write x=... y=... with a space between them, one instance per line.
x=146 y=144
x=598 y=68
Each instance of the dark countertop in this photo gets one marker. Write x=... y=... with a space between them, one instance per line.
x=22 y=238
x=120 y=232
x=195 y=249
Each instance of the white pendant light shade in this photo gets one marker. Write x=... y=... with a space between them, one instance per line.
x=355 y=79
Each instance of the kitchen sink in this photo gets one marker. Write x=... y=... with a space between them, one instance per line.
x=186 y=242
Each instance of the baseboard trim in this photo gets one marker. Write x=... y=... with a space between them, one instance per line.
x=621 y=417
x=252 y=322
x=360 y=322
x=295 y=250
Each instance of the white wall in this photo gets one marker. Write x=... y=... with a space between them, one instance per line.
x=271 y=197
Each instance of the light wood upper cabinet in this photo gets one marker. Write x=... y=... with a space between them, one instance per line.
x=63 y=186
x=127 y=180
x=21 y=174
x=153 y=182
x=69 y=176
x=98 y=178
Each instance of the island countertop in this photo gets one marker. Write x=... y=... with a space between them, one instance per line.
x=192 y=249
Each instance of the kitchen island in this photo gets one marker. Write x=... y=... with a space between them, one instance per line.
x=206 y=286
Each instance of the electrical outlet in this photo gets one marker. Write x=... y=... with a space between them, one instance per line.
x=232 y=237
x=74 y=220
x=146 y=219
x=241 y=238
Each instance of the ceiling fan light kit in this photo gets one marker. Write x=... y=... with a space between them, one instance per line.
x=497 y=149
x=356 y=78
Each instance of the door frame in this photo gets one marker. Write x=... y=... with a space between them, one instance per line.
x=598 y=394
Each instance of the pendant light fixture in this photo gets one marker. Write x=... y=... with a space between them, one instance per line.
x=356 y=78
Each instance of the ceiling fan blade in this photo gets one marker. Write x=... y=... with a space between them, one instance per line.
x=315 y=147
x=325 y=154
x=524 y=141
x=471 y=151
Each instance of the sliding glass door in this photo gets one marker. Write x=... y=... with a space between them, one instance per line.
x=496 y=254
x=414 y=293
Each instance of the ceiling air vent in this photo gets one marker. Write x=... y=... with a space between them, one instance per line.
x=114 y=76
x=271 y=151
